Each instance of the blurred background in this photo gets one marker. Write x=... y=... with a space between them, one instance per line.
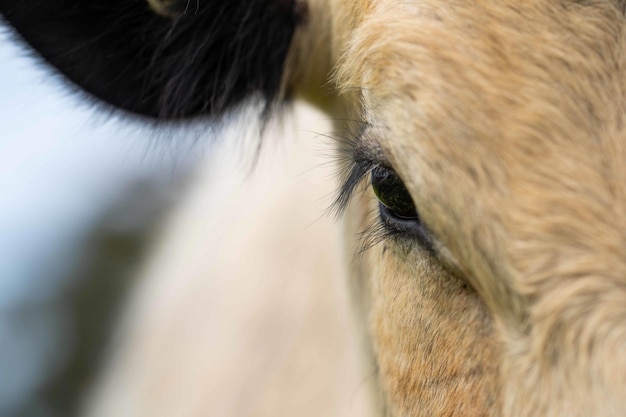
x=81 y=195
x=239 y=304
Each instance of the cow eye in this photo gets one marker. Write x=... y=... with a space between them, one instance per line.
x=396 y=202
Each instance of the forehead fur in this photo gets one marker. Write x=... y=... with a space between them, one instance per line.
x=514 y=96
x=500 y=48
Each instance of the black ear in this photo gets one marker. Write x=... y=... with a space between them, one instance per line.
x=209 y=57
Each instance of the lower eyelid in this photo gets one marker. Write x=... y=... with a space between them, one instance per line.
x=404 y=227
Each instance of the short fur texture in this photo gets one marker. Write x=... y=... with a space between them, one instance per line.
x=505 y=119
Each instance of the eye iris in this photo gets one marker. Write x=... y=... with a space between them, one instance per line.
x=392 y=193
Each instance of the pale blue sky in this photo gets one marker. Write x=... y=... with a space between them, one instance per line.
x=61 y=164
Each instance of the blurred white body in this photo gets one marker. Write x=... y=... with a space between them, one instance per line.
x=243 y=309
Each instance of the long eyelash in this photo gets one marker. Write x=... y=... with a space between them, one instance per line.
x=353 y=168
x=373 y=234
x=353 y=175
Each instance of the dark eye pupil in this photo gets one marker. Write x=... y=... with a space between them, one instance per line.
x=392 y=193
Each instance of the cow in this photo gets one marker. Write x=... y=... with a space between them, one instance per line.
x=481 y=166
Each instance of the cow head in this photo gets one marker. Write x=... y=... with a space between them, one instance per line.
x=484 y=188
